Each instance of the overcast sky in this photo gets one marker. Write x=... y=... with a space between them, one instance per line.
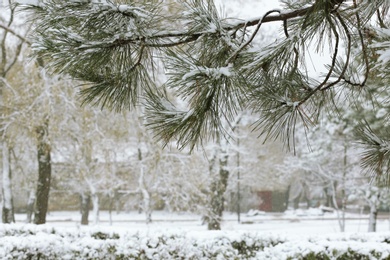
x=247 y=9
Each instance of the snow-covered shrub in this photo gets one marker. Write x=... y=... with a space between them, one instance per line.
x=43 y=242
x=104 y=236
x=249 y=244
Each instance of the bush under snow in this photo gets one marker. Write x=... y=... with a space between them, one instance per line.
x=43 y=242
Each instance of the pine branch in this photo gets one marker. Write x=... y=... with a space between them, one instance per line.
x=365 y=57
x=376 y=157
x=349 y=46
x=244 y=45
x=211 y=65
x=185 y=37
x=330 y=71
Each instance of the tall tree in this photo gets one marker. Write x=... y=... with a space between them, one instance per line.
x=329 y=168
x=11 y=44
x=44 y=173
x=213 y=65
x=16 y=108
x=220 y=173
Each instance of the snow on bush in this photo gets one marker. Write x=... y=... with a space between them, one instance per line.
x=43 y=242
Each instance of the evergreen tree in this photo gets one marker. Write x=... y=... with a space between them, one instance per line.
x=214 y=69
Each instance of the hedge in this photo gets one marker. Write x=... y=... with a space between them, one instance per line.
x=44 y=242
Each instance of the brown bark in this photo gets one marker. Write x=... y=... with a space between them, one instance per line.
x=85 y=205
x=217 y=200
x=44 y=174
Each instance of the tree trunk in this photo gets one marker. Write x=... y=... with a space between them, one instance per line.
x=296 y=202
x=44 y=174
x=340 y=219
x=113 y=200
x=218 y=189
x=343 y=193
x=117 y=202
x=373 y=217
x=30 y=206
x=8 y=209
x=110 y=206
x=95 y=207
x=146 y=207
x=373 y=213
x=286 y=198
x=85 y=200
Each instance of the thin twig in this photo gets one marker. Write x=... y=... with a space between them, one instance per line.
x=296 y=60
x=22 y=38
x=347 y=32
x=252 y=36
x=335 y=53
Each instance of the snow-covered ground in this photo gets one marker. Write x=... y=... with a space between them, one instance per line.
x=299 y=222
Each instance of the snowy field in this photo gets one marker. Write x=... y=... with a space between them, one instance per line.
x=299 y=234
x=301 y=222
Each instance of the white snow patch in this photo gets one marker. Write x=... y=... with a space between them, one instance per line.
x=215 y=73
x=381 y=113
x=28 y=2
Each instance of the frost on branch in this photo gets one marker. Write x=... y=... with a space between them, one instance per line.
x=382 y=48
x=376 y=156
x=215 y=66
x=106 y=48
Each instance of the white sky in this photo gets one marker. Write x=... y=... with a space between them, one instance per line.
x=248 y=9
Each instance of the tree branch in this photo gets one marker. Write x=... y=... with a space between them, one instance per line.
x=349 y=46
x=272 y=18
x=335 y=53
x=186 y=37
x=252 y=36
x=22 y=38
